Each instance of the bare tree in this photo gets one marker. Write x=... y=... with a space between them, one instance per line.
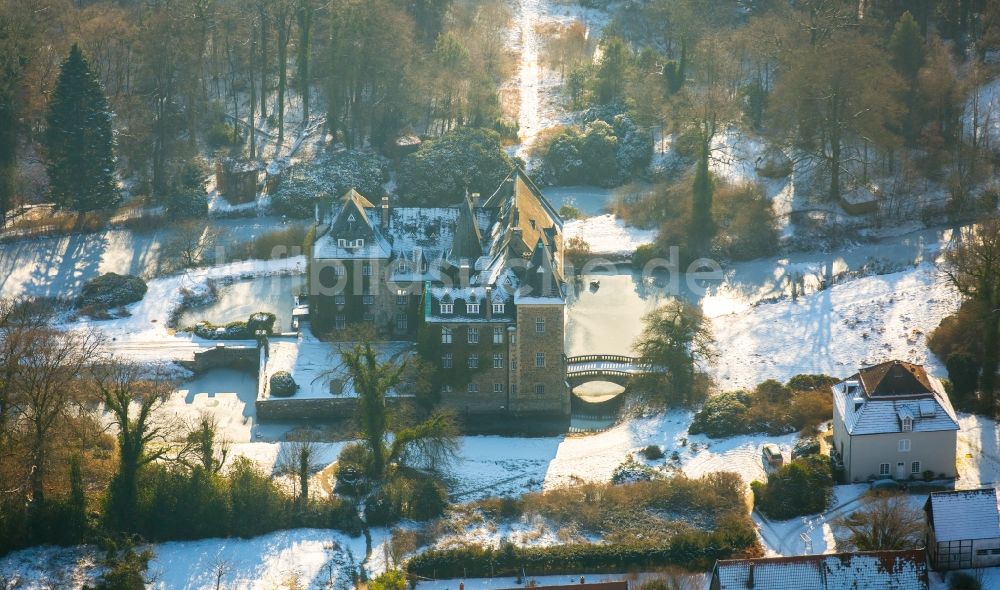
x=190 y=243
x=47 y=380
x=888 y=523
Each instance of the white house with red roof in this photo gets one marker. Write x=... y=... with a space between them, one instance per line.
x=893 y=420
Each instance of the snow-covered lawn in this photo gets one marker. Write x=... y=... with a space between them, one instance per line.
x=835 y=331
x=300 y=558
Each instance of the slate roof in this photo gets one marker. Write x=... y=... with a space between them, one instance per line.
x=876 y=570
x=879 y=408
x=964 y=515
x=895 y=378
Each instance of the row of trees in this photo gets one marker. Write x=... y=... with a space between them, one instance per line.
x=181 y=74
x=860 y=92
x=153 y=476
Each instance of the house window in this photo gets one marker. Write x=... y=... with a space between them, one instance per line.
x=471 y=308
x=995 y=551
x=540 y=359
x=368 y=299
x=540 y=388
x=498 y=388
x=359 y=243
x=915 y=467
x=982 y=551
x=446 y=389
x=401 y=265
x=473 y=388
x=497 y=335
x=369 y=317
x=513 y=364
x=513 y=388
x=473 y=335
x=342 y=243
x=446 y=335
x=340 y=299
x=904 y=445
x=401 y=298
x=366 y=269
x=498 y=307
x=540 y=326
x=340 y=322
x=907 y=424
x=401 y=321
x=446 y=360
x=447 y=308
x=339 y=270
x=473 y=361
x=497 y=360
x=883 y=469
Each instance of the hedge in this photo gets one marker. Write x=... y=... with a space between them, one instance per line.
x=696 y=550
x=112 y=290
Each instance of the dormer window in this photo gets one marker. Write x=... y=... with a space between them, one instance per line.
x=472 y=308
x=351 y=218
x=359 y=243
x=447 y=308
x=401 y=266
x=342 y=243
x=907 y=424
x=498 y=307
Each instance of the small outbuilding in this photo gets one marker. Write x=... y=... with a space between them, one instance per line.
x=963 y=529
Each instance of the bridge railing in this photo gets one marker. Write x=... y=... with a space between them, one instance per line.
x=609 y=358
x=598 y=373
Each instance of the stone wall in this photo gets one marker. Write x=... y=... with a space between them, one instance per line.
x=313 y=408
x=530 y=342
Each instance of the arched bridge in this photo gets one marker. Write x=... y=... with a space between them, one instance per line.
x=614 y=368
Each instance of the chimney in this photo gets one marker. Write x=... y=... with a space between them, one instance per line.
x=385 y=212
x=489 y=303
x=474 y=199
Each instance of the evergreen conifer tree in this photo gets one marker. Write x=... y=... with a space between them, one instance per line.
x=702 y=227
x=80 y=145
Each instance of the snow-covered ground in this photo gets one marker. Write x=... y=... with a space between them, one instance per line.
x=607 y=234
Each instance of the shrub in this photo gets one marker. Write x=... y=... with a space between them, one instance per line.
x=441 y=170
x=577 y=253
x=805 y=447
x=631 y=471
x=187 y=204
x=928 y=474
x=643 y=255
x=261 y=320
x=428 y=499
x=569 y=212
x=283 y=384
x=963 y=581
x=963 y=372
x=390 y=580
x=219 y=135
x=232 y=331
x=595 y=155
x=803 y=382
x=112 y=290
x=652 y=452
x=724 y=414
x=803 y=486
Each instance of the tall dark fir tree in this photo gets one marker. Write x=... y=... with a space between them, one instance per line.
x=81 y=162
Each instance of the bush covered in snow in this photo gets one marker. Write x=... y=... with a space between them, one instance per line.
x=631 y=471
x=442 y=169
x=112 y=290
x=328 y=178
x=231 y=331
x=261 y=320
x=283 y=384
x=603 y=153
x=652 y=452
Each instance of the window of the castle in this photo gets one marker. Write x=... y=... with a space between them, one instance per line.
x=447 y=360
x=401 y=298
x=473 y=335
x=498 y=388
x=497 y=335
x=401 y=320
x=540 y=388
x=498 y=307
x=447 y=308
x=446 y=335
x=471 y=308
x=340 y=322
x=540 y=326
x=473 y=361
x=473 y=388
x=540 y=359
x=366 y=269
x=497 y=360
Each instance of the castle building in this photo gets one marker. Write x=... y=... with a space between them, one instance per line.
x=479 y=287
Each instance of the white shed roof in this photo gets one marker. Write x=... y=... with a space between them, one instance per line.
x=964 y=515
